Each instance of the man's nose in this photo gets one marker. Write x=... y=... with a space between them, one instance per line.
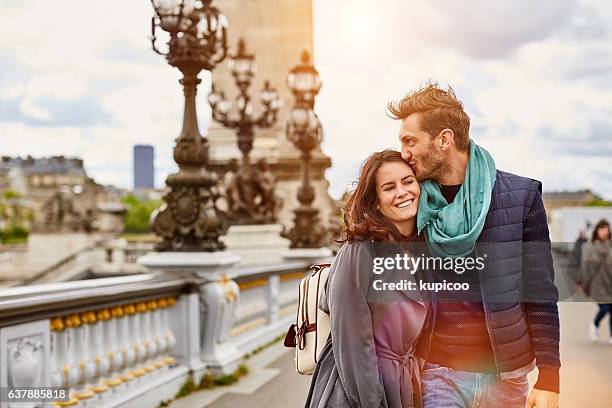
x=406 y=154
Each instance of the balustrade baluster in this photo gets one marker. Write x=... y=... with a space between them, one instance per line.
x=62 y=374
x=131 y=339
x=153 y=334
x=141 y=319
x=168 y=302
x=121 y=324
x=108 y=356
x=78 y=357
x=93 y=361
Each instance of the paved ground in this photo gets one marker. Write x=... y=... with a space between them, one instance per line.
x=586 y=376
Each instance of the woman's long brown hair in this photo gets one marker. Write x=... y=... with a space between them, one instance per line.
x=601 y=224
x=361 y=218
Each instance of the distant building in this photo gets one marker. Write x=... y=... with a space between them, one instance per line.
x=144 y=168
x=39 y=178
x=558 y=199
x=61 y=195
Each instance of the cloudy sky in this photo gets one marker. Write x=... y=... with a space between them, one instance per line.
x=79 y=78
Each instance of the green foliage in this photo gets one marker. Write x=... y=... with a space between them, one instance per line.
x=14 y=234
x=187 y=388
x=14 y=218
x=210 y=381
x=138 y=215
x=242 y=370
x=263 y=347
x=10 y=195
x=226 y=380
x=599 y=203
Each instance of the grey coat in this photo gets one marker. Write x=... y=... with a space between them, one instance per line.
x=370 y=361
x=596 y=271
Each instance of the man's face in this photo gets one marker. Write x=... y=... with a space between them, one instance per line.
x=419 y=149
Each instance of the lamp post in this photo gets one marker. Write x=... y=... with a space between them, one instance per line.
x=189 y=219
x=305 y=132
x=248 y=196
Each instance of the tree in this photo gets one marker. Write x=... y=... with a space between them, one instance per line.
x=137 y=219
x=15 y=218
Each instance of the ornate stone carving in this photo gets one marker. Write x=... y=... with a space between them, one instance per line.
x=251 y=196
x=218 y=298
x=26 y=362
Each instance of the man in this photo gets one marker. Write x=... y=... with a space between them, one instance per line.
x=478 y=353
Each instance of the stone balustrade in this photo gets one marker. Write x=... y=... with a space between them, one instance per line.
x=133 y=341
x=97 y=350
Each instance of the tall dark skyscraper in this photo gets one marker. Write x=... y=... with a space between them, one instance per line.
x=144 y=169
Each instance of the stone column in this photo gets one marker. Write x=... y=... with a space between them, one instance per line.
x=25 y=358
x=215 y=301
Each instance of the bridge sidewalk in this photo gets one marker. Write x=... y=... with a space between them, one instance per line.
x=272 y=382
x=586 y=375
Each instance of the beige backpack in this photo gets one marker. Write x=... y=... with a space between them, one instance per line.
x=312 y=327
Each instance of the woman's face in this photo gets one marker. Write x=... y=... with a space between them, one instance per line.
x=603 y=233
x=398 y=194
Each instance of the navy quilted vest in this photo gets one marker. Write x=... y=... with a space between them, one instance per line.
x=501 y=280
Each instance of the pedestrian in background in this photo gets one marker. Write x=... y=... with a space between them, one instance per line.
x=578 y=247
x=596 y=275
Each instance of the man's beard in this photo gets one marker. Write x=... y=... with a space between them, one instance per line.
x=430 y=167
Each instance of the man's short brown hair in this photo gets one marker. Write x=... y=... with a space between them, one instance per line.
x=440 y=109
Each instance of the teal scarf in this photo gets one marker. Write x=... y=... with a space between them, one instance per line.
x=452 y=229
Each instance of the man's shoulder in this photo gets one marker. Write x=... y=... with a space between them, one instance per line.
x=513 y=182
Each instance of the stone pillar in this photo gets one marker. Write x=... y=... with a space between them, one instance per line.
x=25 y=356
x=215 y=300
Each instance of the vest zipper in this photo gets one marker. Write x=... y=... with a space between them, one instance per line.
x=486 y=315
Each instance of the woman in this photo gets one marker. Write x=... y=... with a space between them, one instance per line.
x=370 y=361
x=596 y=275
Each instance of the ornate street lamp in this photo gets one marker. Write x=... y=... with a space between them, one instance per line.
x=305 y=132
x=196 y=40
x=250 y=194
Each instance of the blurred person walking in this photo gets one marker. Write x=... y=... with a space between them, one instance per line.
x=596 y=275
x=578 y=247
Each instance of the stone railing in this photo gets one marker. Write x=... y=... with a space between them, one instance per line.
x=133 y=341
x=119 y=251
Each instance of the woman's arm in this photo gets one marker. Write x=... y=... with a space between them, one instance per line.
x=352 y=336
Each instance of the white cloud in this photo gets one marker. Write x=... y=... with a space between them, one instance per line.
x=28 y=108
x=63 y=86
x=11 y=92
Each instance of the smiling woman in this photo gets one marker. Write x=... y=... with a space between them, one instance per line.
x=384 y=205
x=398 y=191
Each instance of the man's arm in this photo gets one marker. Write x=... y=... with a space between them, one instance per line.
x=541 y=296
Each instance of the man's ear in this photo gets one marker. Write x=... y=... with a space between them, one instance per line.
x=446 y=139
